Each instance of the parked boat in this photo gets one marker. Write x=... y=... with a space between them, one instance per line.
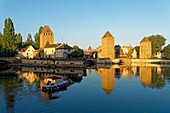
x=56 y=86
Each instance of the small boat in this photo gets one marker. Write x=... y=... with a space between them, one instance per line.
x=56 y=86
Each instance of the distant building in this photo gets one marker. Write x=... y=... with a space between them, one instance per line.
x=125 y=50
x=27 y=52
x=117 y=49
x=160 y=54
x=46 y=37
x=145 y=48
x=128 y=52
x=134 y=53
x=106 y=50
x=88 y=52
x=39 y=53
x=50 y=50
x=60 y=51
x=63 y=51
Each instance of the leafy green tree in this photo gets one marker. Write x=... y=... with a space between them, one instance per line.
x=8 y=39
x=19 y=40
x=157 y=42
x=29 y=39
x=37 y=38
x=167 y=51
x=137 y=48
x=0 y=39
x=1 y=49
x=77 y=52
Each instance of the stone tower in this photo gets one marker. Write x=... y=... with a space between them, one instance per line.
x=107 y=46
x=46 y=37
x=145 y=48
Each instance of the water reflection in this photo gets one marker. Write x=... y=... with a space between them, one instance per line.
x=107 y=75
x=151 y=77
x=9 y=84
x=145 y=76
x=16 y=84
x=25 y=81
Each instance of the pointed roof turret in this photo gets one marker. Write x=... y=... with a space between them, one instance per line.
x=107 y=34
x=90 y=49
x=145 y=39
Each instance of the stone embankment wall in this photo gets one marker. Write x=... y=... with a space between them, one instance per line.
x=62 y=63
x=156 y=61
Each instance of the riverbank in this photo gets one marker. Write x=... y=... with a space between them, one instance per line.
x=50 y=63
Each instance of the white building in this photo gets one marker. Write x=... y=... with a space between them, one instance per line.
x=127 y=51
x=50 y=50
x=27 y=52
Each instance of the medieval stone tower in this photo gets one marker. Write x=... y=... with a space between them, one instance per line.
x=145 y=48
x=107 y=46
x=46 y=37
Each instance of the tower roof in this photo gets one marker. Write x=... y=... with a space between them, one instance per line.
x=89 y=49
x=145 y=39
x=107 y=34
x=46 y=29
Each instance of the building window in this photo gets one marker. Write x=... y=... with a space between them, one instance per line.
x=52 y=51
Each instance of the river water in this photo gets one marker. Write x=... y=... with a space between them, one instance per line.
x=111 y=89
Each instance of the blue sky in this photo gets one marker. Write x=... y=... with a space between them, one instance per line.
x=84 y=22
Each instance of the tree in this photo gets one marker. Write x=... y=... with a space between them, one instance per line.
x=29 y=39
x=77 y=52
x=8 y=39
x=137 y=48
x=157 y=42
x=19 y=40
x=167 y=51
x=1 y=44
x=37 y=38
x=0 y=39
